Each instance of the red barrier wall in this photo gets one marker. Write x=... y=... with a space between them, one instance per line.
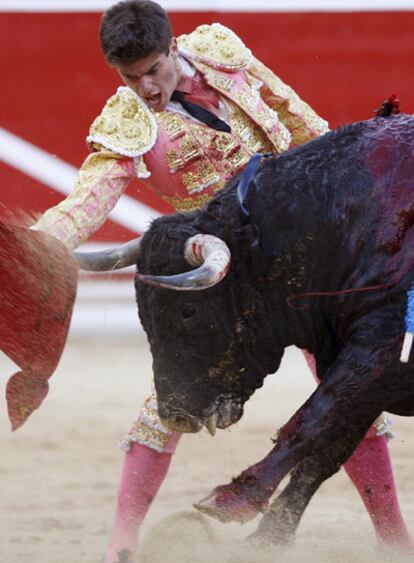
x=54 y=81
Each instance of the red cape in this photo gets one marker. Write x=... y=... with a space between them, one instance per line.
x=38 y=280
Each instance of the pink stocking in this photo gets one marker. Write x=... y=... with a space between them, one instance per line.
x=370 y=470
x=143 y=472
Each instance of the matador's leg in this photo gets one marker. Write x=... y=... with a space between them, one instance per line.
x=370 y=470
x=148 y=451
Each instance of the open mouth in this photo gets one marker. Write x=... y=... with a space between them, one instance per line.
x=226 y=411
x=154 y=101
x=222 y=413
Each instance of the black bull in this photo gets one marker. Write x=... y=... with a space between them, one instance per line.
x=322 y=260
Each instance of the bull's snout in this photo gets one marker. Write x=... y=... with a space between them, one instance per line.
x=179 y=422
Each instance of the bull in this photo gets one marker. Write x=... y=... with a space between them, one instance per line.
x=316 y=253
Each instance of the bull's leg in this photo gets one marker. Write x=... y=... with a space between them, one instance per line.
x=281 y=520
x=234 y=502
x=341 y=409
x=296 y=441
x=370 y=470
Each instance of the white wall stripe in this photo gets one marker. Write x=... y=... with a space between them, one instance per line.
x=61 y=176
x=215 y=5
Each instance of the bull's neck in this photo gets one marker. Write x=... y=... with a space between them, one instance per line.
x=278 y=266
x=287 y=285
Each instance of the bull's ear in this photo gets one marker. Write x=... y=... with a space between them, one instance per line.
x=38 y=280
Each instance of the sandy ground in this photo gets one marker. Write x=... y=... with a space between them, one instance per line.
x=59 y=472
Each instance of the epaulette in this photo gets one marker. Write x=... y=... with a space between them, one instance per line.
x=216 y=46
x=126 y=125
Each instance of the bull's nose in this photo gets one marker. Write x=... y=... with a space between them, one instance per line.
x=180 y=422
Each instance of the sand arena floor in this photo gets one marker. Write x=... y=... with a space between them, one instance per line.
x=59 y=472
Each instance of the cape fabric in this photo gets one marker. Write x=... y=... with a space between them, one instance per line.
x=38 y=280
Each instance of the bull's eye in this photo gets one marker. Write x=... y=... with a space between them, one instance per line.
x=188 y=311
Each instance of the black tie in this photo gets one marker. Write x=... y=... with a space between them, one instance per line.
x=200 y=113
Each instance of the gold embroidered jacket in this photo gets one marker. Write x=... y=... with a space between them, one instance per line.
x=181 y=159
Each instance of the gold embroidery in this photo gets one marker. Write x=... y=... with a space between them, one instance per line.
x=188 y=203
x=190 y=181
x=185 y=204
x=247 y=100
x=293 y=111
x=275 y=136
x=219 y=34
x=147 y=429
x=223 y=83
x=101 y=181
x=268 y=118
x=190 y=150
x=255 y=83
x=174 y=160
x=204 y=176
x=258 y=142
x=238 y=159
x=265 y=116
x=141 y=168
x=247 y=131
x=173 y=124
x=207 y=173
x=216 y=46
x=273 y=81
x=125 y=126
x=201 y=47
x=226 y=144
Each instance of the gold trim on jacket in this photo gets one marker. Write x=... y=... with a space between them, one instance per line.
x=216 y=46
x=126 y=125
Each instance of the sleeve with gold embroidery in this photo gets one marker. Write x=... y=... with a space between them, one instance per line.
x=302 y=121
x=102 y=179
x=123 y=132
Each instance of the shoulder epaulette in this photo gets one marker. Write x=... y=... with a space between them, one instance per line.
x=125 y=126
x=216 y=46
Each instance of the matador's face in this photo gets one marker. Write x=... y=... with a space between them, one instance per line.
x=154 y=78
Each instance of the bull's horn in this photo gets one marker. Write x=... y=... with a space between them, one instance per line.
x=210 y=253
x=111 y=259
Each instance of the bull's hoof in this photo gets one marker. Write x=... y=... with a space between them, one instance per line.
x=229 y=503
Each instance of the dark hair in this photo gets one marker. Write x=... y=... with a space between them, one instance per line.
x=133 y=29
